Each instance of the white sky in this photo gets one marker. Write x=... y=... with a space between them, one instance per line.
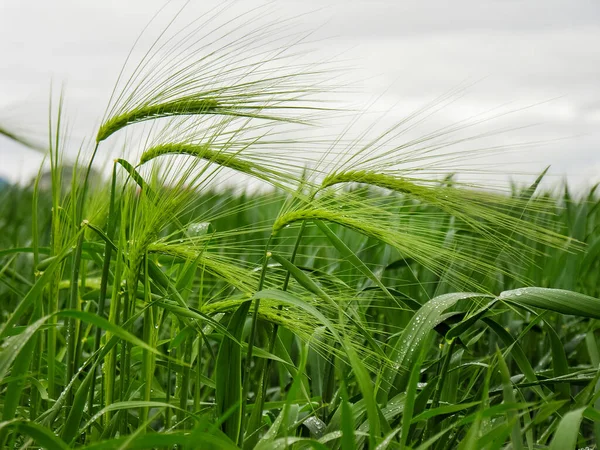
x=408 y=52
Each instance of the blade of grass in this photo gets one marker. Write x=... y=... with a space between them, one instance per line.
x=509 y=397
x=565 y=437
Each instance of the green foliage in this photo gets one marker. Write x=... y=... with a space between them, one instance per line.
x=350 y=305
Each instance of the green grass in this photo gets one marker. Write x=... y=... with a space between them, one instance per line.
x=353 y=305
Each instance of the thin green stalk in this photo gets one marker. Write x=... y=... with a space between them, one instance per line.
x=110 y=361
x=124 y=363
x=148 y=357
x=80 y=331
x=198 y=381
x=35 y=398
x=443 y=372
x=51 y=341
x=431 y=426
x=81 y=202
x=55 y=244
x=128 y=311
x=104 y=279
x=168 y=396
x=72 y=323
x=34 y=395
x=53 y=293
x=173 y=353
x=35 y=239
x=266 y=369
x=185 y=381
x=123 y=360
x=178 y=374
x=246 y=383
x=102 y=394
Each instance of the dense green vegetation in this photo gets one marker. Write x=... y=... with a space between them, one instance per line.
x=357 y=304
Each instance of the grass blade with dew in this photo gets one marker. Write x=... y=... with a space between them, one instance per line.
x=41 y=435
x=408 y=347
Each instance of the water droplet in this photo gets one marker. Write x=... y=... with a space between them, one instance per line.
x=198 y=229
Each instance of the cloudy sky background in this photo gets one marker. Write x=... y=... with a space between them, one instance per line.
x=543 y=56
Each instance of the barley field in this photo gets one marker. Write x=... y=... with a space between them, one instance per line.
x=363 y=296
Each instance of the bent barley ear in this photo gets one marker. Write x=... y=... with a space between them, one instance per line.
x=202 y=151
x=174 y=108
x=375 y=179
x=230 y=156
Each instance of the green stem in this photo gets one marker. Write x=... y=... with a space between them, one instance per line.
x=123 y=362
x=34 y=397
x=185 y=381
x=55 y=243
x=104 y=279
x=168 y=395
x=262 y=392
x=173 y=353
x=72 y=323
x=114 y=314
x=286 y=281
x=430 y=427
x=198 y=381
x=442 y=378
x=148 y=357
x=246 y=384
x=85 y=185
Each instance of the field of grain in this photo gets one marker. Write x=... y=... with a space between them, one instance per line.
x=355 y=302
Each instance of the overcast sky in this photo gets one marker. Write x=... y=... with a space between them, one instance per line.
x=544 y=53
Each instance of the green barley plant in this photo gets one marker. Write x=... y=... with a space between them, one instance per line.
x=362 y=298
